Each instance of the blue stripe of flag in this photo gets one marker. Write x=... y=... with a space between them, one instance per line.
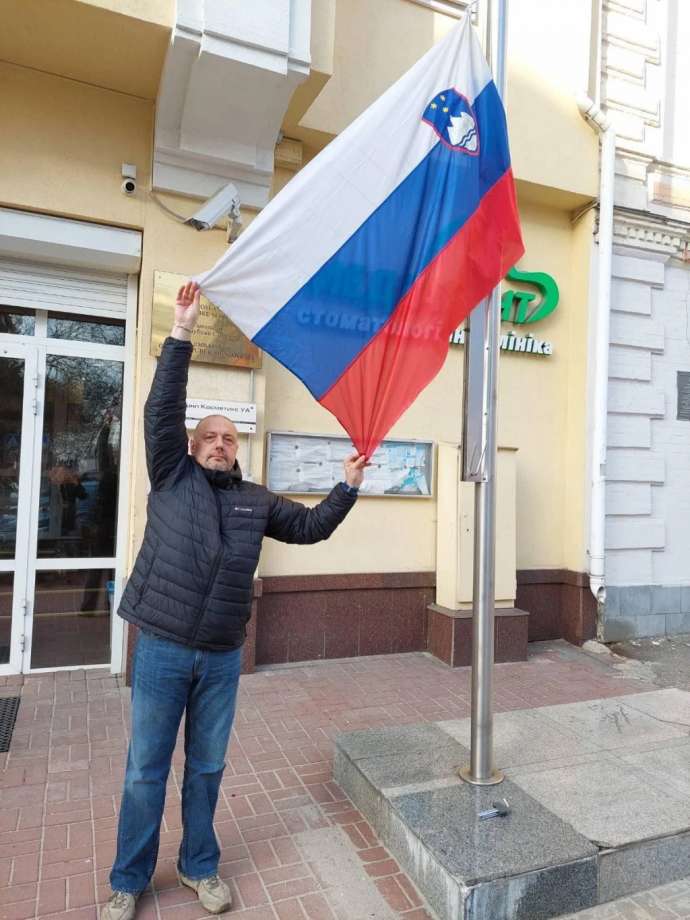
x=325 y=325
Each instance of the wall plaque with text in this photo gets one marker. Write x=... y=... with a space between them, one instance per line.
x=242 y=414
x=216 y=340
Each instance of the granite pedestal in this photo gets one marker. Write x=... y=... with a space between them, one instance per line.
x=599 y=796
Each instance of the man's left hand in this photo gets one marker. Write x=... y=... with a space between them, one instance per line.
x=354 y=469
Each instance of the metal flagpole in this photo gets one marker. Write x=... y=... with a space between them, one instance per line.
x=479 y=467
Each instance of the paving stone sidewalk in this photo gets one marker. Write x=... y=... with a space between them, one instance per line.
x=294 y=847
x=669 y=902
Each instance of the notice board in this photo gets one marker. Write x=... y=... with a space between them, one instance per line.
x=311 y=464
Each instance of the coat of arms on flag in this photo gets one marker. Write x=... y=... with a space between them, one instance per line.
x=452 y=118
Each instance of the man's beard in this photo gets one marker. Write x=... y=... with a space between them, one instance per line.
x=218 y=463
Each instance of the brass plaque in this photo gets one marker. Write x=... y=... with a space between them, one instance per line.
x=215 y=340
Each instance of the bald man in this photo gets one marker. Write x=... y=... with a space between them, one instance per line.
x=190 y=594
x=214 y=443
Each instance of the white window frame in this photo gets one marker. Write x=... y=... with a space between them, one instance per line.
x=118 y=632
x=10 y=349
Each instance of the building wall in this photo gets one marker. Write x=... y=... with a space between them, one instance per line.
x=671 y=436
x=64 y=144
x=70 y=136
x=575 y=469
x=548 y=60
x=648 y=463
x=634 y=467
x=541 y=413
x=115 y=44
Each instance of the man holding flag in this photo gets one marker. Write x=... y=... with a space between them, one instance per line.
x=353 y=277
x=190 y=594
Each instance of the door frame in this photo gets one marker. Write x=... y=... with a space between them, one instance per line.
x=34 y=349
x=127 y=458
x=19 y=567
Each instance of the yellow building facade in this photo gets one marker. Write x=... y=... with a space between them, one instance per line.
x=250 y=96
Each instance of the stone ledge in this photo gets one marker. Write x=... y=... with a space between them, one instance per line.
x=351 y=581
x=597 y=794
x=527 y=866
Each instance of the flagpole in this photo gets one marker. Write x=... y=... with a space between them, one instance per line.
x=479 y=466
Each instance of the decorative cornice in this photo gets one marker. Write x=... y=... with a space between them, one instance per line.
x=651 y=235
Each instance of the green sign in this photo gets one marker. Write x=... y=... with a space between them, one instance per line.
x=522 y=307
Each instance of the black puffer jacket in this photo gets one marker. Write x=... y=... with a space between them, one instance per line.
x=192 y=580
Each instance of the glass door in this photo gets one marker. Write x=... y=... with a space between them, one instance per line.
x=76 y=526
x=17 y=424
x=62 y=377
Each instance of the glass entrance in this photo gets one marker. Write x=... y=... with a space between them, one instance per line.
x=77 y=514
x=60 y=457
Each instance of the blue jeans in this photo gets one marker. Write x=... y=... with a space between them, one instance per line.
x=167 y=679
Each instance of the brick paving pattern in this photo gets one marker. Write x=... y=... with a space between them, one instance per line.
x=293 y=846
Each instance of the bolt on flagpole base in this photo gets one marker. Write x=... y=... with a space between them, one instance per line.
x=493 y=780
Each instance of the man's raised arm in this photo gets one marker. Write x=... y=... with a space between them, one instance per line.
x=165 y=434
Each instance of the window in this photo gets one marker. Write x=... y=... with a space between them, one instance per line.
x=105 y=331
x=17 y=321
x=58 y=325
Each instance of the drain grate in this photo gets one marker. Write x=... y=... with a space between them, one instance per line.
x=8 y=714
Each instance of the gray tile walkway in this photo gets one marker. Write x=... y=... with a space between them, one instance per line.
x=669 y=902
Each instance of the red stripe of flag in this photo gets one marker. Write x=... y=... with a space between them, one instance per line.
x=410 y=349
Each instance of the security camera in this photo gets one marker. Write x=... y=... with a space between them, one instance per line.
x=225 y=202
x=129 y=175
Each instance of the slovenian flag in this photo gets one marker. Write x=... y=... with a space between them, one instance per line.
x=355 y=275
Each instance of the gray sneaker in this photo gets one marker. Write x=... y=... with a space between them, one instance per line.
x=213 y=893
x=121 y=906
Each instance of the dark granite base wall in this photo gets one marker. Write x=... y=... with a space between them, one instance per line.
x=450 y=635
x=304 y=618
x=311 y=617
x=560 y=604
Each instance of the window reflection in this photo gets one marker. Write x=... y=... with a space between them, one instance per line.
x=17 y=320
x=71 y=621
x=94 y=329
x=6 y=582
x=12 y=390
x=81 y=457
